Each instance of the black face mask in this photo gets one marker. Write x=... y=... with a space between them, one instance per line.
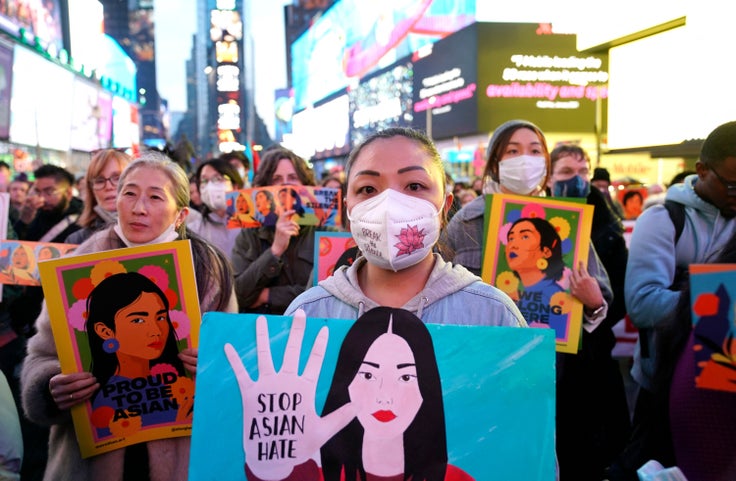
x=573 y=187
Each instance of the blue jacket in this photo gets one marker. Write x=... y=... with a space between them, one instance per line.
x=452 y=295
x=654 y=258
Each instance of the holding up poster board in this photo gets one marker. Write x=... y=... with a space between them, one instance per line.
x=19 y=260
x=385 y=393
x=261 y=206
x=124 y=315
x=713 y=296
x=531 y=245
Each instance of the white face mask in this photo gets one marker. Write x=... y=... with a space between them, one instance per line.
x=213 y=195
x=394 y=230
x=244 y=176
x=170 y=234
x=523 y=174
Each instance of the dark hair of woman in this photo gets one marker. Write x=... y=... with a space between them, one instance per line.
x=270 y=161
x=425 y=443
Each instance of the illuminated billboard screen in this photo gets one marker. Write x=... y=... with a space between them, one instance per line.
x=41 y=103
x=354 y=38
x=445 y=86
x=38 y=19
x=526 y=71
x=6 y=78
x=324 y=131
x=384 y=100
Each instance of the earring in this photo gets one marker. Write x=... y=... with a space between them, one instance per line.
x=542 y=263
x=111 y=345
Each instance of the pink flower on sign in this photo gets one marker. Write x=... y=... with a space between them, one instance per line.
x=77 y=315
x=533 y=211
x=410 y=239
x=157 y=275
x=161 y=368
x=181 y=323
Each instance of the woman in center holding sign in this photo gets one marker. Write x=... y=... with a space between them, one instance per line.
x=396 y=202
x=152 y=205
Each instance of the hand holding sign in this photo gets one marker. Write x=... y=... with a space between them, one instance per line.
x=281 y=428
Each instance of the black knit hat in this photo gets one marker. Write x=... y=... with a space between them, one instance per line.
x=599 y=173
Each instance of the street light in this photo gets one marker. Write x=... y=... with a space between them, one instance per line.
x=431 y=102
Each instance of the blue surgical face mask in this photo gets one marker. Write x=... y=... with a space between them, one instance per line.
x=572 y=187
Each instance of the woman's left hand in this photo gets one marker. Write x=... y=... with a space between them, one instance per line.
x=189 y=357
x=585 y=287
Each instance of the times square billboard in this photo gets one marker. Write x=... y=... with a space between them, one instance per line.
x=355 y=38
x=488 y=73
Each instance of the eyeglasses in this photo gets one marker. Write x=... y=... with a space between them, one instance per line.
x=48 y=191
x=99 y=183
x=216 y=179
x=730 y=186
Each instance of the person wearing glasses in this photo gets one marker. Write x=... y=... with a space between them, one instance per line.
x=656 y=273
x=215 y=178
x=101 y=181
x=51 y=211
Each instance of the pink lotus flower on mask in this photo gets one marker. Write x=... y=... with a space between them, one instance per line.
x=411 y=239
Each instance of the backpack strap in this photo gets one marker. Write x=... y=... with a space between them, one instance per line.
x=676 y=211
x=677 y=215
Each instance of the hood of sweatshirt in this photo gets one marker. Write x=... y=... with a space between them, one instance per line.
x=444 y=279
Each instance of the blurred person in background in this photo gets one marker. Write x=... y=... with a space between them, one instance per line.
x=196 y=202
x=601 y=180
x=216 y=178
x=51 y=211
x=18 y=190
x=241 y=164
x=4 y=176
x=101 y=182
x=592 y=373
x=273 y=264
x=153 y=202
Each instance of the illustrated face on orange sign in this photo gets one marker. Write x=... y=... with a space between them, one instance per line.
x=523 y=249
x=142 y=327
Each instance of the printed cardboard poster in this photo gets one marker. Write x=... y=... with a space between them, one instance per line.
x=713 y=301
x=261 y=206
x=388 y=394
x=19 y=260
x=329 y=247
x=531 y=245
x=124 y=315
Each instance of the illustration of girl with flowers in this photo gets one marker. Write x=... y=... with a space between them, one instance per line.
x=134 y=349
x=534 y=253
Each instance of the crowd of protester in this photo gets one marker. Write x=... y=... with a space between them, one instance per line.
x=393 y=175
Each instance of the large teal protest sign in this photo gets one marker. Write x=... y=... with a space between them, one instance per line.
x=385 y=394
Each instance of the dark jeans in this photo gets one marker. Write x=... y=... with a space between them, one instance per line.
x=650 y=438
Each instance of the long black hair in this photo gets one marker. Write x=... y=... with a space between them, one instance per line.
x=425 y=443
x=106 y=299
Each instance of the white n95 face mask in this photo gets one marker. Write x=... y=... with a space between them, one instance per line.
x=394 y=230
x=213 y=195
x=523 y=174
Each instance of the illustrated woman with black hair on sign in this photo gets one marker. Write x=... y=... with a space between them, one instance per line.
x=383 y=405
x=134 y=352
